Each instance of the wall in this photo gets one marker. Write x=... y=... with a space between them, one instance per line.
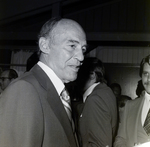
x=122 y=65
x=116 y=15
x=126 y=76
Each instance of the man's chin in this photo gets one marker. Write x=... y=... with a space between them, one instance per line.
x=148 y=92
x=71 y=79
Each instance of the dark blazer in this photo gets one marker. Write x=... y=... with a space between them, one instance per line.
x=130 y=129
x=98 y=122
x=32 y=114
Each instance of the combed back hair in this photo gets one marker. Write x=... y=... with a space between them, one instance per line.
x=12 y=74
x=48 y=27
x=144 y=60
x=90 y=65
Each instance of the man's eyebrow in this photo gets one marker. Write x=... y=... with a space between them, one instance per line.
x=73 y=41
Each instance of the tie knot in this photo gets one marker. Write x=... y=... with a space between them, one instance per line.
x=65 y=95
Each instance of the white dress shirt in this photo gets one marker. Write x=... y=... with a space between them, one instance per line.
x=89 y=91
x=146 y=107
x=58 y=84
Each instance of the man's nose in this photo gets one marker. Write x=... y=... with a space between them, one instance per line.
x=79 y=55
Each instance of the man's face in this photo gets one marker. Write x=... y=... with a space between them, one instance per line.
x=4 y=80
x=66 y=52
x=117 y=92
x=146 y=77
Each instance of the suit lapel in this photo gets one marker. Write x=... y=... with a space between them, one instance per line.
x=55 y=102
x=135 y=117
x=60 y=112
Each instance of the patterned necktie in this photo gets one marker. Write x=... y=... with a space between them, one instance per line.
x=66 y=102
x=147 y=123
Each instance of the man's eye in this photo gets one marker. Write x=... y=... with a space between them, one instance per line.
x=145 y=73
x=73 y=46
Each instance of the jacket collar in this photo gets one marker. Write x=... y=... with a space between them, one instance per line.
x=55 y=102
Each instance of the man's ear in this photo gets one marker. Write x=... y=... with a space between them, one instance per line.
x=43 y=45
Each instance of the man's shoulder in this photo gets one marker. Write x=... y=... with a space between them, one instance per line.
x=103 y=93
x=28 y=76
x=102 y=87
x=31 y=75
x=134 y=102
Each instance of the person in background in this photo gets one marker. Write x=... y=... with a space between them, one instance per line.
x=121 y=99
x=121 y=104
x=134 y=127
x=7 y=76
x=35 y=109
x=98 y=121
x=116 y=88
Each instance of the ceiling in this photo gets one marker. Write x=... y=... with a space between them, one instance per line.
x=29 y=15
x=20 y=21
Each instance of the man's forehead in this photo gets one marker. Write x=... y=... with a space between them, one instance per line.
x=69 y=30
x=68 y=25
x=146 y=66
x=71 y=34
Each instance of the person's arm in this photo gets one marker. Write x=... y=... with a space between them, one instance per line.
x=21 y=122
x=97 y=123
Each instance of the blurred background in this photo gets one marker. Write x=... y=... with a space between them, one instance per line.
x=118 y=33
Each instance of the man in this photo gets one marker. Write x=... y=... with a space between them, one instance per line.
x=132 y=129
x=31 y=110
x=116 y=88
x=7 y=76
x=98 y=121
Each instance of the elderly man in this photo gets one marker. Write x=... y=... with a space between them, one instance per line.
x=33 y=110
x=134 y=128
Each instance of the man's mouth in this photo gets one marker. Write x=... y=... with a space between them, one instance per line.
x=75 y=68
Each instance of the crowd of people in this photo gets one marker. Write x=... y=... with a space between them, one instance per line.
x=37 y=108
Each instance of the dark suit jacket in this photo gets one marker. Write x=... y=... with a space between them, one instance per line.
x=128 y=133
x=32 y=114
x=98 y=122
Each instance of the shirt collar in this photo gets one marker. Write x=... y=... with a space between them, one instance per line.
x=89 y=91
x=58 y=84
x=146 y=106
x=147 y=96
